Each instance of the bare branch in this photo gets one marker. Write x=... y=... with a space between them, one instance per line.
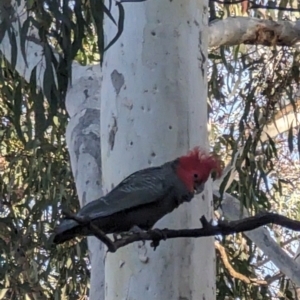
x=157 y=235
x=238 y=30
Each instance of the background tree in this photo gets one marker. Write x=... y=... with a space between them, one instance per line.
x=251 y=88
x=254 y=91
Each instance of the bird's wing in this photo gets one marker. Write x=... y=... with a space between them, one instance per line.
x=138 y=189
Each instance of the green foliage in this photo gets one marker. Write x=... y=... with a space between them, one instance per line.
x=35 y=180
x=66 y=30
x=248 y=89
x=248 y=94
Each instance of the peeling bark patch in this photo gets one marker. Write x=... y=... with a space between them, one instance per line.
x=266 y=36
x=117 y=80
x=85 y=140
x=112 y=133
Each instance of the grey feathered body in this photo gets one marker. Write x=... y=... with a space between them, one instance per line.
x=140 y=200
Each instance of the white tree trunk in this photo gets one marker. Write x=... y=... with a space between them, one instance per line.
x=153 y=109
x=83 y=140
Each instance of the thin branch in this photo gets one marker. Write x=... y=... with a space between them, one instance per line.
x=157 y=235
x=233 y=273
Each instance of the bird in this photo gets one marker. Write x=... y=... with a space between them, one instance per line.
x=144 y=197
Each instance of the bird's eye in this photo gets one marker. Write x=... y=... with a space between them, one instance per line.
x=195 y=175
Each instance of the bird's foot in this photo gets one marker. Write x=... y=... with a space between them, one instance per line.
x=160 y=235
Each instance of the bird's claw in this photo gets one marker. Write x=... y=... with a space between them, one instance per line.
x=160 y=235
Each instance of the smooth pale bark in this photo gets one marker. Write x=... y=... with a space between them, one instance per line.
x=237 y=30
x=83 y=140
x=153 y=109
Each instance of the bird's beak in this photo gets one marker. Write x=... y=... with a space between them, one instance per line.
x=199 y=188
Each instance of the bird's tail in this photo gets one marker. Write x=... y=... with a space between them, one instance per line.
x=65 y=231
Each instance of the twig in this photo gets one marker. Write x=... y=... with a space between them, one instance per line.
x=222 y=228
x=232 y=271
